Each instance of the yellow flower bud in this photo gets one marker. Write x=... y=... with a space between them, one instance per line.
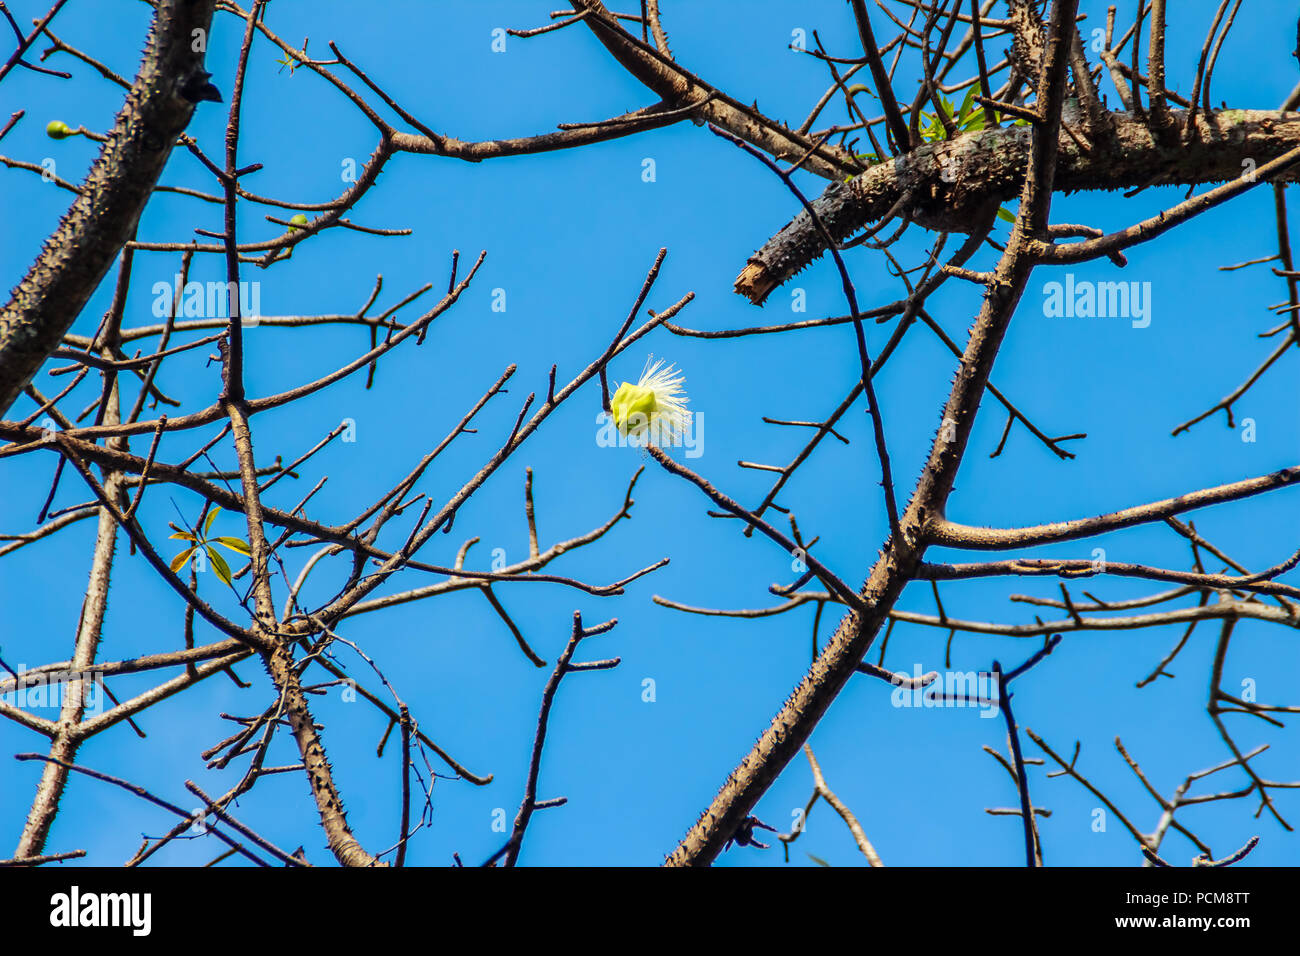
x=632 y=406
x=655 y=407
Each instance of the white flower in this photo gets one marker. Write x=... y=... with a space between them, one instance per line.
x=655 y=407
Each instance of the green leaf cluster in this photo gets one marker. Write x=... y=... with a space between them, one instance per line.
x=967 y=118
x=199 y=539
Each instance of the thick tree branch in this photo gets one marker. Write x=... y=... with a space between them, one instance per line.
x=103 y=217
x=676 y=85
x=992 y=169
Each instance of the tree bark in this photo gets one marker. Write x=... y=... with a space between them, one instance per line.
x=952 y=185
x=103 y=217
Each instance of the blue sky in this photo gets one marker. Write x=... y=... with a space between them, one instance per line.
x=569 y=237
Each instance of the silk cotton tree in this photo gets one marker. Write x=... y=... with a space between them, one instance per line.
x=1012 y=106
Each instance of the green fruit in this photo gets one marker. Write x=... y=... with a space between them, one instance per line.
x=59 y=130
x=298 y=220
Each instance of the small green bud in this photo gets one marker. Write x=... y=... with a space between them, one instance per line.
x=296 y=222
x=57 y=129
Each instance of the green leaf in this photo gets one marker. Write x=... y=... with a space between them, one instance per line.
x=965 y=106
x=219 y=565
x=212 y=516
x=183 y=536
x=1006 y=215
x=181 y=560
x=234 y=544
x=818 y=860
x=291 y=60
x=976 y=114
